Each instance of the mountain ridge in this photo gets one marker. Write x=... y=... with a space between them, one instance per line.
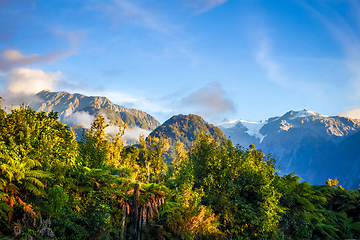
x=314 y=146
x=66 y=104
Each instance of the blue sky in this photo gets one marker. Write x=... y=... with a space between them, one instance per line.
x=239 y=59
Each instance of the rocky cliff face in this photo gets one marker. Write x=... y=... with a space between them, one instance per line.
x=314 y=146
x=66 y=104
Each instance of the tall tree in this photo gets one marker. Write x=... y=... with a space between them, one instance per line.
x=32 y=146
x=239 y=187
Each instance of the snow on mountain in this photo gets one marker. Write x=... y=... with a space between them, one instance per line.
x=305 y=113
x=228 y=123
x=253 y=128
x=314 y=146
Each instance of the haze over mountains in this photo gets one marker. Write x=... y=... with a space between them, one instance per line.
x=314 y=146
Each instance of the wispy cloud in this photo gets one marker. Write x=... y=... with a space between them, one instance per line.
x=11 y=58
x=17 y=18
x=346 y=32
x=125 y=11
x=272 y=68
x=275 y=69
x=201 y=6
x=171 y=35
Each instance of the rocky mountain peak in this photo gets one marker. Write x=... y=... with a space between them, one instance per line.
x=314 y=146
x=66 y=104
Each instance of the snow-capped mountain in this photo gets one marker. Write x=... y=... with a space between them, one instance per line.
x=314 y=146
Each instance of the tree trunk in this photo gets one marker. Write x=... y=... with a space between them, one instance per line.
x=135 y=215
x=148 y=170
x=123 y=226
x=139 y=226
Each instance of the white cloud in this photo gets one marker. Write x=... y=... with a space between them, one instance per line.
x=85 y=119
x=24 y=83
x=111 y=129
x=133 y=134
x=351 y=113
x=203 y=5
x=31 y=81
x=79 y=118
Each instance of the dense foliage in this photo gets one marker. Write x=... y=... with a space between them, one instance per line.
x=54 y=187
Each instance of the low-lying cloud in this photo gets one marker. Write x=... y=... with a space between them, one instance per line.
x=210 y=101
x=79 y=118
x=134 y=133
x=85 y=119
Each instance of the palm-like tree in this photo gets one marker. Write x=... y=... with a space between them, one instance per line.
x=19 y=178
x=31 y=144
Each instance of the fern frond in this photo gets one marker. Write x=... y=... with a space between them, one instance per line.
x=38 y=174
x=32 y=188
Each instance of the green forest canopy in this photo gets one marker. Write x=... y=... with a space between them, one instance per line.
x=52 y=186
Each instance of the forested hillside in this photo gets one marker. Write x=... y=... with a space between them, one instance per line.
x=181 y=131
x=54 y=187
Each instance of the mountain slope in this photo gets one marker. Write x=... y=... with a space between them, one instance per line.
x=186 y=129
x=314 y=146
x=66 y=104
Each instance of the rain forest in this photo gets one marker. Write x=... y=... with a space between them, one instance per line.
x=56 y=186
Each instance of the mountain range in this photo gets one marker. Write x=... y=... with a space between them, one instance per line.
x=314 y=146
x=67 y=104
